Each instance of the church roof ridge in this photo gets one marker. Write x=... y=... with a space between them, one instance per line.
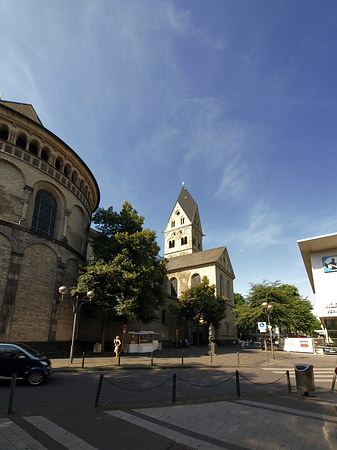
x=26 y=109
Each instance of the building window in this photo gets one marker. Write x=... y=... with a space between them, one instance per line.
x=171 y=244
x=174 y=287
x=44 y=213
x=173 y=223
x=33 y=149
x=4 y=133
x=21 y=142
x=182 y=220
x=184 y=240
x=196 y=279
x=45 y=154
x=221 y=285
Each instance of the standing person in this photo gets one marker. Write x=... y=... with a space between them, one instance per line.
x=117 y=343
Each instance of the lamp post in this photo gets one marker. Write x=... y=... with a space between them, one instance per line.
x=63 y=290
x=268 y=309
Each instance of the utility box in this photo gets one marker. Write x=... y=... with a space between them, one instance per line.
x=305 y=377
x=212 y=348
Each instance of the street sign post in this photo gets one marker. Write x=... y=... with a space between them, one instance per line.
x=262 y=327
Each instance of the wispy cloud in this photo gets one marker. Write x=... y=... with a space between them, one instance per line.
x=263 y=229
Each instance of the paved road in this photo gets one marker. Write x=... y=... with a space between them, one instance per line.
x=133 y=416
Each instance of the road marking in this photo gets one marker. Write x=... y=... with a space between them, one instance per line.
x=59 y=434
x=289 y=410
x=321 y=375
x=166 y=432
x=14 y=437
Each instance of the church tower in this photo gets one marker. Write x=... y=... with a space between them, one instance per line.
x=183 y=233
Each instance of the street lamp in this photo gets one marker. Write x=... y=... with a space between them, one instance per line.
x=268 y=309
x=63 y=290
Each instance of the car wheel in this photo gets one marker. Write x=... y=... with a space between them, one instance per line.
x=35 y=378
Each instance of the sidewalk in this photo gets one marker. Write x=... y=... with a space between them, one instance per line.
x=193 y=357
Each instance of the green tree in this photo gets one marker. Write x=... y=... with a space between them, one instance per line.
x=126 y=273
x=200 y=303
x=290 y=311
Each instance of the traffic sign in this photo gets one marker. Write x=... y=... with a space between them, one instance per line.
x=262 y=327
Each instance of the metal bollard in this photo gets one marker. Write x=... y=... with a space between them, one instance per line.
x=119 y=359
x=83 y=358
x=174 y=387
x=288 y=381
x=151 y=358
x=11 y=395
x=182 y=358
x=237 y=377
x=333 y=384
x=238 y=358
x=99 y=390
x=211 y=355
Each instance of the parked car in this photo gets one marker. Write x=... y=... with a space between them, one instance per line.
x=28 y=364
x=330 y=349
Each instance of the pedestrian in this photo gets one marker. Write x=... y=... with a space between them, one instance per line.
x=117 y=344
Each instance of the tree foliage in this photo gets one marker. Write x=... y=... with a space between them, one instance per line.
x=290 y=311
x=200 y=303
x=126 y=273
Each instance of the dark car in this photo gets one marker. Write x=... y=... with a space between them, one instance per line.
x=330 y=349
x=28 y=364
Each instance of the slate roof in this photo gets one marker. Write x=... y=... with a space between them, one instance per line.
x=187 y=203
x=196 y=259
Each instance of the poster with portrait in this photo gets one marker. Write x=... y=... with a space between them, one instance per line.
x=330 y=263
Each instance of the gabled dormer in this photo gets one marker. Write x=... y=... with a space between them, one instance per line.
x=183 y=232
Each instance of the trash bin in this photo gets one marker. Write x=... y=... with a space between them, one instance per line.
x=305 y=377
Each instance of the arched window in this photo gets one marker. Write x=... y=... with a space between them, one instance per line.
x=21 y=141
x=45 y=154
x=174 y=287
x=32 y=148
x=221 y=285
x=171 y=244
x=58 y=163
x=44 y=216
x=173 y=223
x=74 y=177
x=4 y=132
x=67 y=170
x=184 y=240
x=195 y=279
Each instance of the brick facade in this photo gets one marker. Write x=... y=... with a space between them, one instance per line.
x=36 y=260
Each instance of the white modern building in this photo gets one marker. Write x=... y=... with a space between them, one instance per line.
x=320 y=259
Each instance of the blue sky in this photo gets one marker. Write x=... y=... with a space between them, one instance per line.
x=237 y=98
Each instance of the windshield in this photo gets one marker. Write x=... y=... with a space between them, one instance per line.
x=29 y=349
